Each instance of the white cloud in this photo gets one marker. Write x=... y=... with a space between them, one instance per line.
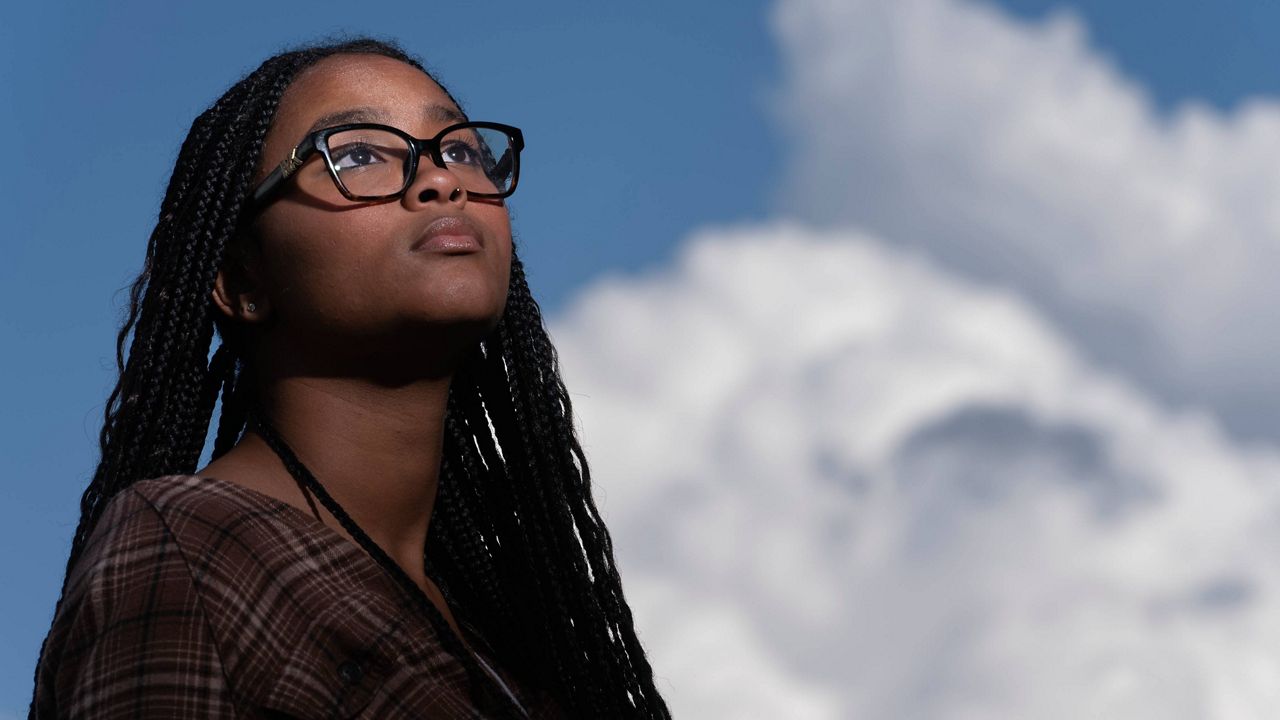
x=717 y=643
x=1015 y=154
x=888 y=474
x=844 y=481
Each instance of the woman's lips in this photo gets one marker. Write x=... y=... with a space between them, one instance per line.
x=449 y=244
x=449 y=235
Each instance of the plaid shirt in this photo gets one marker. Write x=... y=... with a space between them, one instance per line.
x=200 y=598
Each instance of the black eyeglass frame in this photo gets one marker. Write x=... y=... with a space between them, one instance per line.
x=318 y=142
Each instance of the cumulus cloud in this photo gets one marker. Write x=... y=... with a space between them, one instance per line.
x=845 y=482
x=1014 y=154
x=951 y=443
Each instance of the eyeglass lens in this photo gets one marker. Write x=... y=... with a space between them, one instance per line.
x=371 y=162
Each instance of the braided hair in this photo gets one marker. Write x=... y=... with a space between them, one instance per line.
x=515 y=537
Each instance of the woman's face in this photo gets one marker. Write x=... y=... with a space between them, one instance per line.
x=340 y=276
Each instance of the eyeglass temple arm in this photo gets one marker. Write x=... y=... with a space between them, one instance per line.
x=288 y=167
x=504 y=164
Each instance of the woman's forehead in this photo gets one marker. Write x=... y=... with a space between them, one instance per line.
x=373 y=87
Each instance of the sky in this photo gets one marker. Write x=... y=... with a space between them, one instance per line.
x=922 y=348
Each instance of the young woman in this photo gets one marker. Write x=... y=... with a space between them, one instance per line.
x=397 y=520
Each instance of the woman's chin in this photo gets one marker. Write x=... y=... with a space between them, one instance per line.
x=465 y=300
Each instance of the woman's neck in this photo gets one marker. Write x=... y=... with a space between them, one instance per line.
x=375 y=449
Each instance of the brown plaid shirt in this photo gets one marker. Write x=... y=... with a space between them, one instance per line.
x=200 y=598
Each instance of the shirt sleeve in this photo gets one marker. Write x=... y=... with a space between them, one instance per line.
x=130 y=638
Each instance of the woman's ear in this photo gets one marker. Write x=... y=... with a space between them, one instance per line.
x=237 y=290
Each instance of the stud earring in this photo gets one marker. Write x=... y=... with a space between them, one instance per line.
x=250 y=308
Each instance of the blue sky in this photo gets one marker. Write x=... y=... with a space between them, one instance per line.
x=644 y=122
x=1219 y=53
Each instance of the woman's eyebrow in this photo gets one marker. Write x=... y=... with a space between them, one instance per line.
x=444 y=114
x=351 y=115
x=434 y=112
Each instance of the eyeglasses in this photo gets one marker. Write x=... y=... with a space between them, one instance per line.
x=368 y=161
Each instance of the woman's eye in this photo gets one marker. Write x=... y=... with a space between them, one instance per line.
x=460 y=152
x=355 y=155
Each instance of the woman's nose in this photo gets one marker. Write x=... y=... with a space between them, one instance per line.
x=434 y=184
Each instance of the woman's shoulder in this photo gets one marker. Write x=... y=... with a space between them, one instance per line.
x=131 y=537
x=245 y=587
x=193 y=506
x=241 y=545
x=177 y=498
x=129 y=587
x=222 y=525
x=259 y=567
x=185 y=534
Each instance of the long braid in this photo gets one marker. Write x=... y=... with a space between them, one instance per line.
x=604 y=606
x=466 y=491
x=525 y=525
x=235 y=406
x=151 y=423
x=496 y=500
x=462 y=533
x=515 y=535
x=146 y=431
x=580 y=607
